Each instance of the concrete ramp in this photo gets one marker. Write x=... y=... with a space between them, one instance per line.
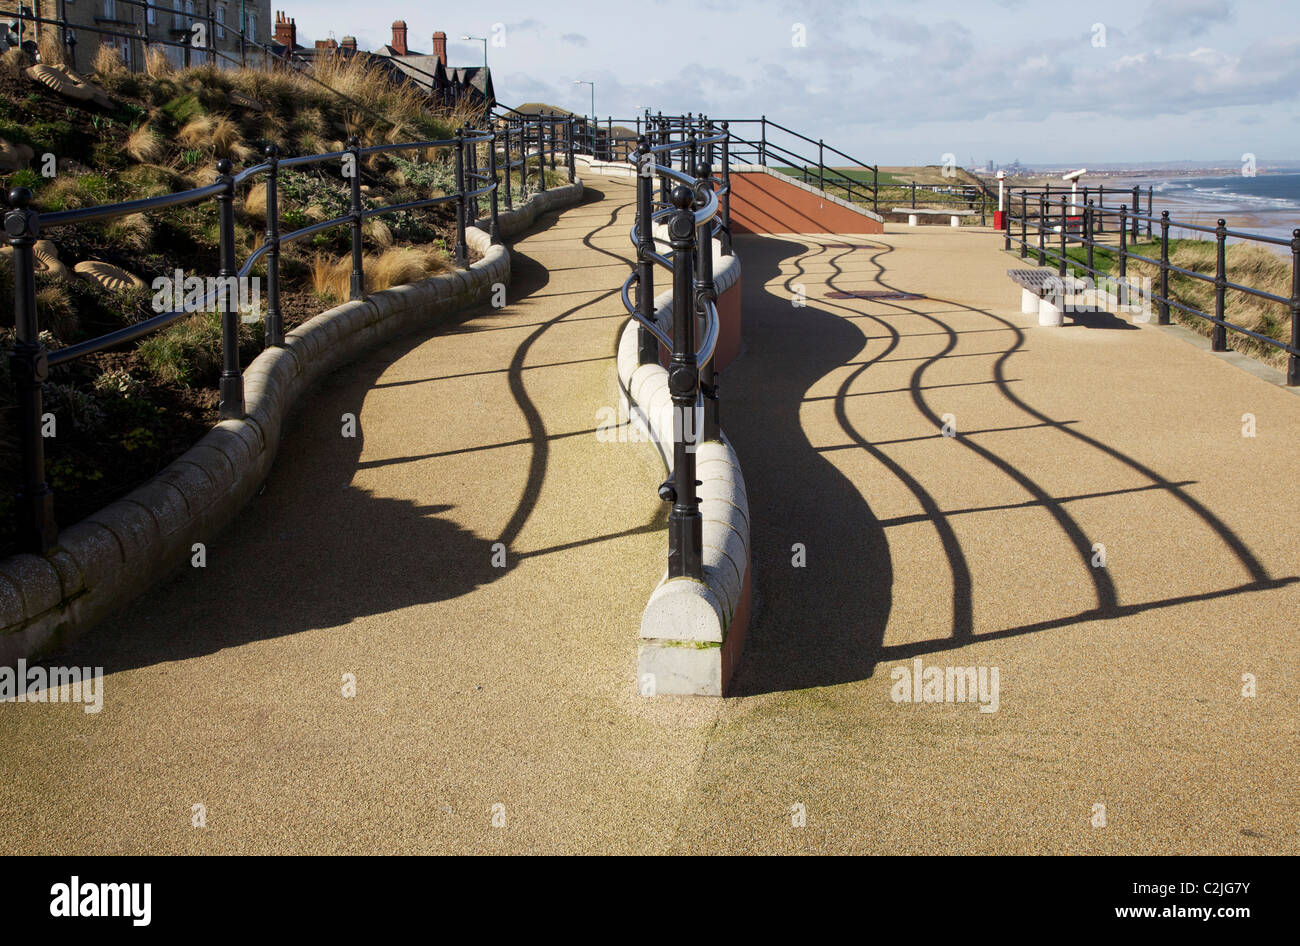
x=763 y=201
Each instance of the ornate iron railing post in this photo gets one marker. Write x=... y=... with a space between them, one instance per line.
x=1163 y=318
x=685 y=524
x=1219 y=340
x=506 y=141
x=1065 y=225
x=523 y=159
x=569 y=146
x=462 y=254
x=471 y=175
x=726 y=191
x=1137 y=211
x=647 y=344
x=1089 y=243
x=231 y=385
x=358 y=287
x=1122 y=292
x=705 y=294
x=541 y=156
x=1042 y=225
x=494 y=230
x=274 y=317
x=28 y=367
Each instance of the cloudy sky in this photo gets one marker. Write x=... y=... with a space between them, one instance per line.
x=1044 y=81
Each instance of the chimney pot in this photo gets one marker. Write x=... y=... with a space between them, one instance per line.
x=399 y=37
x=440 y=47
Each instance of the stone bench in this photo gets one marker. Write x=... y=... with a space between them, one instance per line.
x=1043 y=292
x=915 y=213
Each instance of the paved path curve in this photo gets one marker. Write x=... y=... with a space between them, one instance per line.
x=479 y=686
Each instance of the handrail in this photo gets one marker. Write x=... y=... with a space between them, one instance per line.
x=24 y=226
x=1054 y=219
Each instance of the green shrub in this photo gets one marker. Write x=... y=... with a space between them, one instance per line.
x=185 y=352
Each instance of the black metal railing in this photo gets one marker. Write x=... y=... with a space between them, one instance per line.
x=523 y=143
x=694 y=206
x=771 y=144
x=1074 y=220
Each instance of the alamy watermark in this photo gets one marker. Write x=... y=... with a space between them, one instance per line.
x=53 y=685
x=181 y=293
x=918 y=684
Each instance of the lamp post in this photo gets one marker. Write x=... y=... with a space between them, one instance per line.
x=592 y=125
x=483 y=40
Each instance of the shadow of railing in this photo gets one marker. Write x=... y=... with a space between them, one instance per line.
x=825 y=624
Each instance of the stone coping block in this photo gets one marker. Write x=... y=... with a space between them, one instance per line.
x=116 y=554
x=691 y=631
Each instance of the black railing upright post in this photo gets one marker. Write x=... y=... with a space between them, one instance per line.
x=647 y=344
x=1219 y=341
x=689 y=155
x=1293 y=360
x=875 y=188
x=685 y=524
x=231 y=385
x=705 y=295
x=1137 y=211
x=913 y=194
x=568 y=137
x=358 y=287
x=1122 y=293
x=726 y=191
x=1150 y=191
x=472 y=176
x=541 y=157
x=762 y=141
x=462 y=253
x=494 y=230
x=1024 y=224
x=553 y=126
x=1101 y=206
x=523 y=159
x=274 y=317
x=1065 y=226
x=37 y=531
x=1163 y=317
x=1089 y=221
x=821 y=164
x=510 y=203
x=1042 y=227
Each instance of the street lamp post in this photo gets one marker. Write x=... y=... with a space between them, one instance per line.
x=591 y=126
x=483 y=40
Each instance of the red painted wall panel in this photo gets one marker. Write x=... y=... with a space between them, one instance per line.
x=761 y=203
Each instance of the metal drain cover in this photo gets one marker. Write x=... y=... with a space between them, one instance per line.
x=873 y=294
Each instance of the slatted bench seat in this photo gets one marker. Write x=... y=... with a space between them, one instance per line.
x=914 y=213
x=1043 y=291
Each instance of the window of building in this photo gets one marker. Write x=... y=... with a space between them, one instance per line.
x=151 y=12
x=221 y=21
x=252 y=26
x=110 y=11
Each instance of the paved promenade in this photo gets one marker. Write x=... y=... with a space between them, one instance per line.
x=479 y=686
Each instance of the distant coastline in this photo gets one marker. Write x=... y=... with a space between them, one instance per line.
x=1266 y=203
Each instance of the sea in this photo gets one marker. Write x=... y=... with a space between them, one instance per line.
x=1265 y=203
